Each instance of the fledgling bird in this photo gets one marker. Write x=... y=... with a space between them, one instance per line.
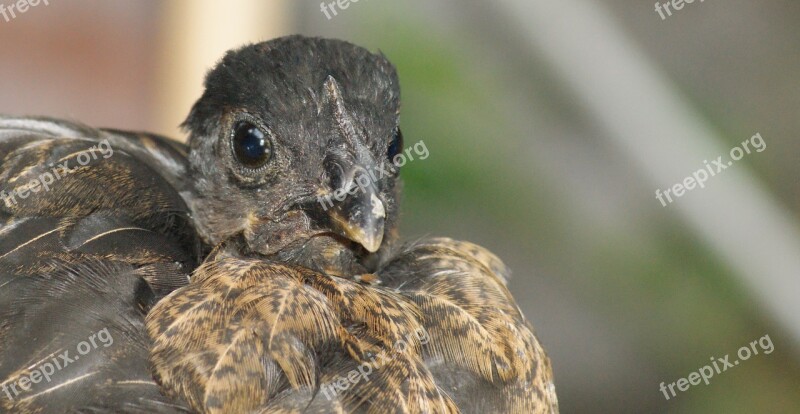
x=254 y=270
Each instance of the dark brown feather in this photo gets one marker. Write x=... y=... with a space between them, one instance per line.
x=74 y=263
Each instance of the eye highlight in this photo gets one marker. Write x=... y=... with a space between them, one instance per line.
x=396 y=145
x=251 y=145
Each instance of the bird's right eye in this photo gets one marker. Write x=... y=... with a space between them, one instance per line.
x=395 y=145
x=251 y=145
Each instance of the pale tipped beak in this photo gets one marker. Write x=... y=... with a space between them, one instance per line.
x=360 y=218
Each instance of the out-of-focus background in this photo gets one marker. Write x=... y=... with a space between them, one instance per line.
x=550 y=126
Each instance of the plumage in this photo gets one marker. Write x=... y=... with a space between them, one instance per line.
x=229 y=272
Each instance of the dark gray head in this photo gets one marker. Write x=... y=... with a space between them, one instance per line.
x=282 y=126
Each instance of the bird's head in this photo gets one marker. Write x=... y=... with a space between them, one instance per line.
x=290 y=149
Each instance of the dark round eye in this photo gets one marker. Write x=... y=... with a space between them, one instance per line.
x=396 y=146
x=251 y=145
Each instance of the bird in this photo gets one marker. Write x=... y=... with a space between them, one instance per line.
x=257 y=268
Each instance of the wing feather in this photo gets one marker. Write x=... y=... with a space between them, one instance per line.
x=84 y=254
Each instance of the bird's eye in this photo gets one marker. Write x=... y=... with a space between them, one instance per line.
x=251 y=145
x=396 y=146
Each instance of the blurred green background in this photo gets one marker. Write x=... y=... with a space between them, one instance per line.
x=550 y=125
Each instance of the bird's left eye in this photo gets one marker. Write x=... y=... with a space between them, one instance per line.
x=251 y=145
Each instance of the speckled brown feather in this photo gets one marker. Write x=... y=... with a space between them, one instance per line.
x=462 y=287
x=449 y=290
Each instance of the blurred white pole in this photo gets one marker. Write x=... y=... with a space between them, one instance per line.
x=194 y=35
x=655 y=126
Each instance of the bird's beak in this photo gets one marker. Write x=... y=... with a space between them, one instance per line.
x=360 y=217
x=358 y=213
